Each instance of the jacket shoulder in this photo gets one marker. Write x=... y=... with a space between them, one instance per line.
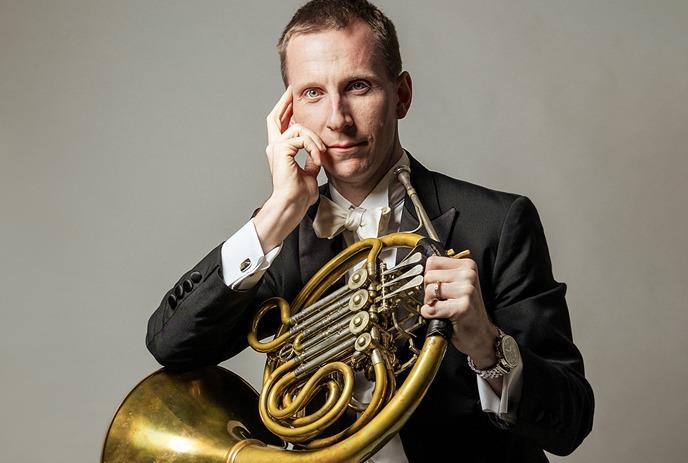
x=472 y=199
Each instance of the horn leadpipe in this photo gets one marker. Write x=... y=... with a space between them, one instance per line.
x=436 y=326
x=403 y=175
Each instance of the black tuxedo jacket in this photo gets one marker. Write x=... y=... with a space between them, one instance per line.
x=201 y=321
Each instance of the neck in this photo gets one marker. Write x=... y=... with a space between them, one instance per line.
x=356 y=192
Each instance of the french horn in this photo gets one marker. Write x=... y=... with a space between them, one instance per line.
x=329 y=338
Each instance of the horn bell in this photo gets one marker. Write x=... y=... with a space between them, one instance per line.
x=191 y=417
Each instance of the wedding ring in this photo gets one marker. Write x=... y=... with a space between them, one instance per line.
x=438 y=290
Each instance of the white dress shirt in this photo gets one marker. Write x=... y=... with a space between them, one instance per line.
x=243 y=265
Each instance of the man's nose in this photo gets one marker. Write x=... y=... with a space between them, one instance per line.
x=340 y=116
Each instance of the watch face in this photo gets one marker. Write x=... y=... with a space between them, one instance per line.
x=510 y=351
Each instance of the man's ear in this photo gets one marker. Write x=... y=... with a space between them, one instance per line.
x=404 y=94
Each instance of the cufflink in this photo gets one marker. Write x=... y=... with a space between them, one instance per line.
x=245 y=265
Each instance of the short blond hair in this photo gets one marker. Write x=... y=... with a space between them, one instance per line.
x=321 y=15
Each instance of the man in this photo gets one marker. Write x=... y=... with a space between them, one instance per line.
x=345 y=93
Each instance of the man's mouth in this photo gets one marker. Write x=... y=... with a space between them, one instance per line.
x=346 y=145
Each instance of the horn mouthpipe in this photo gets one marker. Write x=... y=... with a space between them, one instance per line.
x=436 y=327
x=403 y=175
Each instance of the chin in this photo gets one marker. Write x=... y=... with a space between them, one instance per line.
x=349 y=170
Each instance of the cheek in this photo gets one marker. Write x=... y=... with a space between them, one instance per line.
x=381 y=125
x=309 y=115
x=378 y=114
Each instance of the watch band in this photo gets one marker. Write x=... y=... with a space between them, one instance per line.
x=500 y=368
x=491 y=373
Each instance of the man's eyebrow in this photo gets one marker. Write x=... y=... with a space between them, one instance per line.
x=362 y=76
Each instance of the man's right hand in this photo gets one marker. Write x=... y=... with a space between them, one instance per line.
x=294 y=189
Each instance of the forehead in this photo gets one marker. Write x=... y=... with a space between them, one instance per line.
x=333 y=54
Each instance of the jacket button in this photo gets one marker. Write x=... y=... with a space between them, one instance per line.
x=179 y=291
x=172 y=301
x=187 y=285
x=196 y=277
x=245 y=264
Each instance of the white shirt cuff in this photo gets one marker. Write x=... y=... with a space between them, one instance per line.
x=505 y=406
x=243 y=261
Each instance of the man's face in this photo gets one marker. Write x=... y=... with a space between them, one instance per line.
x=342 y=92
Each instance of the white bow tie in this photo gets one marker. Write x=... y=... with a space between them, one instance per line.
x=332 y=219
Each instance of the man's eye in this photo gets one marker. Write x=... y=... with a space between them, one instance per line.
x=359 y=86
x=311 y=93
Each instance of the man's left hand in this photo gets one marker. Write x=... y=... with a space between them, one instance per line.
x=460 y=300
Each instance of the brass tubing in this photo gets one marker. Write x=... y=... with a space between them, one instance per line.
x=323 y=346
x=253 y=341
x=333 y=393
x=342 y=325
x=380 y=429
x=315 y=322
x=376 y=401
x=278 y=409
x=403 y=174
x=332 y=415
x=314 y=289
x=401 y=239
x=337 y=272
x=331 y=354
x=311 y=309
x=330 y=319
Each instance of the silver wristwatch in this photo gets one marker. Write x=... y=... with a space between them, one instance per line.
x=508 y=357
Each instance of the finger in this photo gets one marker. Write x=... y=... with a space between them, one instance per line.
x=441 y=262
x=463 y=274
x=445 y=276
x=438 y=309
x=298 y=130
x=449 y=291
x=286 y=116
x=315 y=149
x=430 y=294
x=304 y=142
x=311 y=167
x=274 y=118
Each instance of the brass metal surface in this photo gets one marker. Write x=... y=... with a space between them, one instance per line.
x=368 y=440
x=194 y=417
x=212 y=415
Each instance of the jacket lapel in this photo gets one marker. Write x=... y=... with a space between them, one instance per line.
x=315 y=252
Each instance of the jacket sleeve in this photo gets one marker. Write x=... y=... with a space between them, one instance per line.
x=556 y=404
x=201 y=321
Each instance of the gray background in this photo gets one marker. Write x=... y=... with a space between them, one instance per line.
x=132 y=142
